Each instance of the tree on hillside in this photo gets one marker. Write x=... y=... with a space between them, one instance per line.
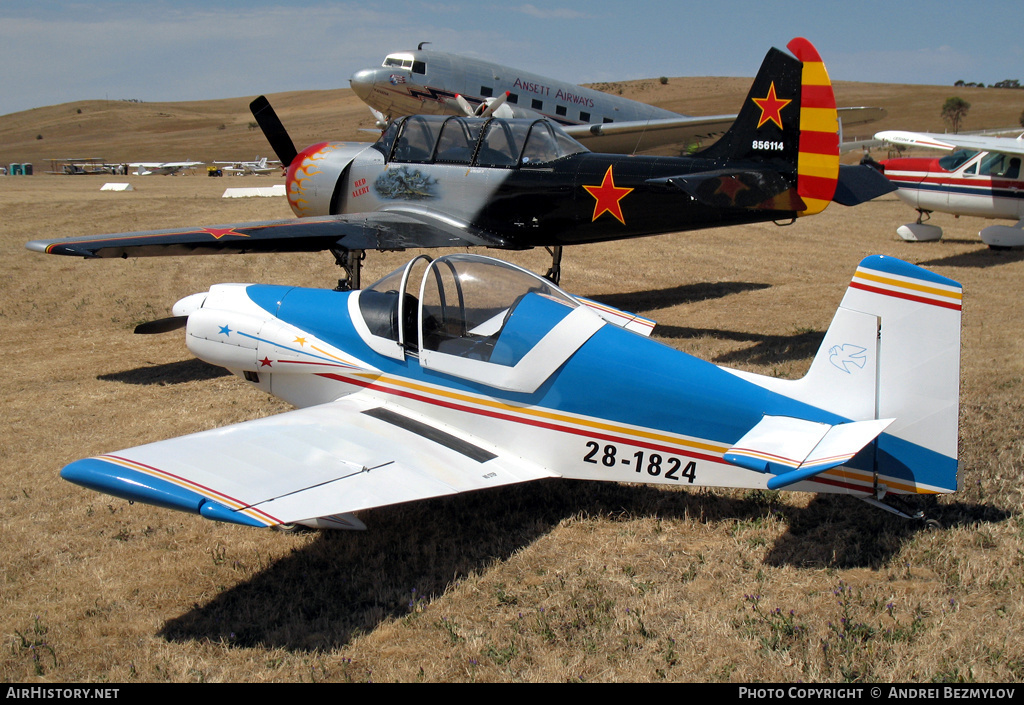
x=954 y=110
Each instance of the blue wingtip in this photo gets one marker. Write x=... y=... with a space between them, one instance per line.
x=109 y=477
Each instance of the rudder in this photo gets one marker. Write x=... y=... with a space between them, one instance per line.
x=789 y=123
x=893 y=351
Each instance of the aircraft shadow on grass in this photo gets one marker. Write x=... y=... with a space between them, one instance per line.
x=347 y=583
x=657 y=299
x=767 y=349
x=167 y=373
x=980 y=258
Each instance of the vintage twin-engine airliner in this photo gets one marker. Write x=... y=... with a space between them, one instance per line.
x=428 y=82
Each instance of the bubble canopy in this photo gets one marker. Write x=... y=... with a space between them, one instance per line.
x=475 y=317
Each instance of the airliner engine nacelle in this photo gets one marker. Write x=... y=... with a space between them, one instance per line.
x=315 y=173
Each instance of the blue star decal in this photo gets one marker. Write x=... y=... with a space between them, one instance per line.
x=224 y=330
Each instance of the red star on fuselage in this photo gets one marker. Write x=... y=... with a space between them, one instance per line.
x=607 y=197
x=218 y=233
x=771 y=107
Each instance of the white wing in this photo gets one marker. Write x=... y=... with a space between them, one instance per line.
x=680 y=132
x=321 y=461
x=982 y=143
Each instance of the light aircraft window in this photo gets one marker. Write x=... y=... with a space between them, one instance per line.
x=584 y=117
x=486 y=91
x=1000 y=165
x=545 y=144
x=537 y=104
x=417 y=138
x=952 y=162
x=561 y=110
x=1014 y=171
x=419 y=67
x=469 y=309
x=501 y=143
x=607 y=120
x=457 y=141
x=512 y=98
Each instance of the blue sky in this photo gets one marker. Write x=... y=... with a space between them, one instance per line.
x=56 y=51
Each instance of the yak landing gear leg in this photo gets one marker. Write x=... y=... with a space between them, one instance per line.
x=350 y=262
x=555 y=273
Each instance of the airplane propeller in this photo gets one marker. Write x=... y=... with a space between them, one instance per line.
x=485 y=109
x=181 y=310
x=161 y=325
x=273 y=130
x=382 y=121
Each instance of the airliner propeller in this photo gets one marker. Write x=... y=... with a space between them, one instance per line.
x=485 y=109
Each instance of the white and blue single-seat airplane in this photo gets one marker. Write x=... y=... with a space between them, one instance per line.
x=980 y=177
x=466 y=373
x=427 y=82
x=445 y=182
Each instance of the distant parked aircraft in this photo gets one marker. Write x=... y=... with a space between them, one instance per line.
x=982 y=177
x=437 y=83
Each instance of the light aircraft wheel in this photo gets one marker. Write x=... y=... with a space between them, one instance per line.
x=932 y=524
x=292 y=528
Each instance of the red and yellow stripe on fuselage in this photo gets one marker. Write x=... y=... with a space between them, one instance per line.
x=818 y=161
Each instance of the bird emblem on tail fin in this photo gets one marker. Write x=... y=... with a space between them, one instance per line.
x=843 y=356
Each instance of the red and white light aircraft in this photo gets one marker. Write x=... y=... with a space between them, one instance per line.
x=981 y=177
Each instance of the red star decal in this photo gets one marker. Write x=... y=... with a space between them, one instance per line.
x=265 y=362
x=771 y=107
x=218 y=233
x=607 y=197
x=730 y=186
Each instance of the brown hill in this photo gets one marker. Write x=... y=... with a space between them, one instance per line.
x=119 y=131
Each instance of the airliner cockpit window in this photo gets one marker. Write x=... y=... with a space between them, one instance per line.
x=398 y=61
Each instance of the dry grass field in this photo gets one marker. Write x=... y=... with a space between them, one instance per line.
x=552 y=581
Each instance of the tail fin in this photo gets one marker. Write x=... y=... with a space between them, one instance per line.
x=893 y=352
x=789 y=123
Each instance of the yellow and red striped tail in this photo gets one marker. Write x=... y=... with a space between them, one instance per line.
x=818 y=160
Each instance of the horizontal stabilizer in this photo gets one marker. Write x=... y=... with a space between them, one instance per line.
x=859 y=184
x=795 y=449
x=755 y=189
